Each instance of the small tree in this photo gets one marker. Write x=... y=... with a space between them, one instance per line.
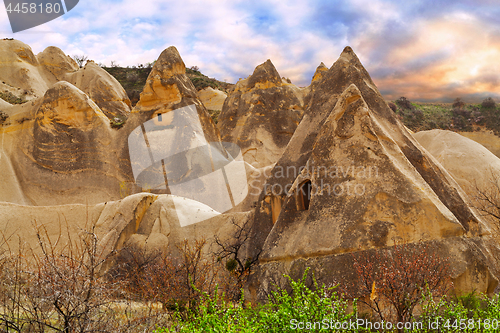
x=233 y=250
x=487 y=200
x=392 y=106
x=396 y=279
x=66 y=285
x=488 y=103
x=80 y=59
x=458 y=103
x=404 y=103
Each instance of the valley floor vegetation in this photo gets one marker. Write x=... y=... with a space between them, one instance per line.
x=456 y=116
x=83 y=287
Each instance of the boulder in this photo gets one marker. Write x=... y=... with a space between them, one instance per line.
x=486 y=138
x=261 y=114
x=213 y=99
x=470 y=163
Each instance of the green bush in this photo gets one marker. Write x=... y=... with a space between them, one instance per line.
x=467 y=313
x=284 y=312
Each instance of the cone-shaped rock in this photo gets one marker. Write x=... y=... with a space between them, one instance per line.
x=363 y=193
x=318 y=74
x=168 y=88
x=352 y=178
x=261 y=114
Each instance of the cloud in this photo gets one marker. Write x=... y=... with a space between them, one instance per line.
x=420 y=50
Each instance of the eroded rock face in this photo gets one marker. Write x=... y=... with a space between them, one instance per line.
x=20 y=70
x=103 y=89
x=28 y=76
x=67 y=153
x=353 y=179
x=61 y=148
x=261 y=114
x=143 y=220
x=57 y=63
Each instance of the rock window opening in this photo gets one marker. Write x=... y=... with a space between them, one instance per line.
x=304 y=195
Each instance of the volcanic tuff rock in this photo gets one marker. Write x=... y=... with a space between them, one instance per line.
x=168 y=88
x=471 y=164
x=318 y=74
x=213 y=99
x=353 y=179
x=142 y=219
x=28 y=76
x=103 y=89
x=474 y=167
x=348 y=179
x=56 y=64
x=60 y=148
x=20 y=70
x=65 y=150
x=260 y=115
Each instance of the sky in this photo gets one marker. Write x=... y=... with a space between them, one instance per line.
x=432 y=51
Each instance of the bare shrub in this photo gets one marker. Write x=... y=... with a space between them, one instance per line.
x=176 y=283
x=80 y=59
x=233 y=253
x=66 y=292
x=393 y=282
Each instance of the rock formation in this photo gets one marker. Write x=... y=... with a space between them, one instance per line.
x=65 y=151
x=471 y=164
x=28 y=76
x=213 y=99
x=260 y=115
x=353 y=179
x=61 y=148
x=344 y=176
x=143 y=220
